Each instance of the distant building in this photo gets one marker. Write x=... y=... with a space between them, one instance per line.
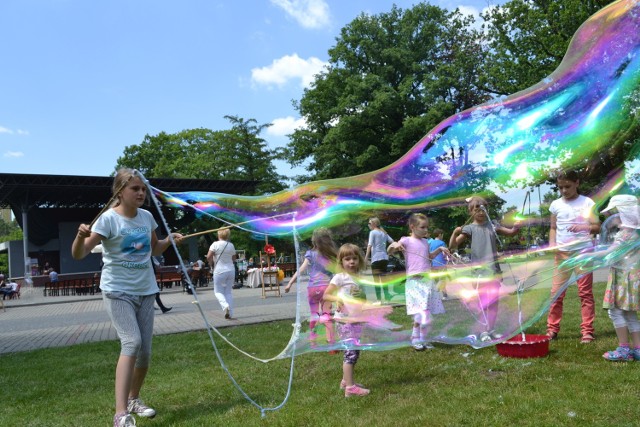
x=52 y=207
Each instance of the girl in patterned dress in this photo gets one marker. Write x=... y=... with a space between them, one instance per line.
x=622 y=296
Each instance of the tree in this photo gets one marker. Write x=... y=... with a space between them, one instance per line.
x=252 y=158
x=391 y=78
x=9 y=231
x=186 y=154
x=238 y=153
x=527 y=40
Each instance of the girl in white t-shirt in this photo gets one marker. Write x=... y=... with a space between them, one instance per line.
x=221 y=258
x=572 y=223
x=348 y=295
x=128 y=238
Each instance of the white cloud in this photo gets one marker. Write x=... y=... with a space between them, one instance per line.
x=475 y=12
x=13 y=154
x=287 y=68
x=308 y=13
x=469 y=10
x=11 y=131
x=285 y=126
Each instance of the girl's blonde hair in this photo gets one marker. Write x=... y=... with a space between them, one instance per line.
x=415 y=218
x=350 y=249
x=224 y=233
x=120 y=181
x=322 y=241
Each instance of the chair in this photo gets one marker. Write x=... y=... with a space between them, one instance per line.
x=269 y=279
x=16 y=294
x=65 y=286
x=95 y=284
x=54 y=289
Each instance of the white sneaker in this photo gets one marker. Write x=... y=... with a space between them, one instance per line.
x=417 y=345
x=124 y=420
x=485 y=337
x=137 y=406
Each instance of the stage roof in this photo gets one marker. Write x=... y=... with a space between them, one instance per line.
x=51 y=199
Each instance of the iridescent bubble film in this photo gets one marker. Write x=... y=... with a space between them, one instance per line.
x=500 y=150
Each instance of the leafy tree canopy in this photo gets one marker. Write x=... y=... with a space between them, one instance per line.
x=236 y=153
x=391 y=78
x=527 y=40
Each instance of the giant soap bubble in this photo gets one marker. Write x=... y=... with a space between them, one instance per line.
x=584 y=111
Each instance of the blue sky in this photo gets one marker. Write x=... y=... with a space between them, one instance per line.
x=80 y=80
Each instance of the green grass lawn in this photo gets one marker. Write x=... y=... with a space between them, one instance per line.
x=447 y=386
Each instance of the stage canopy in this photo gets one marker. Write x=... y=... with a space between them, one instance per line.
x=51 y=199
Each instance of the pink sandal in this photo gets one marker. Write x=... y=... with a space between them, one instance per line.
x=587 y=338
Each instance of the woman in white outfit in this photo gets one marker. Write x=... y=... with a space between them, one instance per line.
x=221 y=258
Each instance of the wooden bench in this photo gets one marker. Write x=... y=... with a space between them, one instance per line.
x=52 y=289
x=83 y=286
x=168 y=279
x=289 y=268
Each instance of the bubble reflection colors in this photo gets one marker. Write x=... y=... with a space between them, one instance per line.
x=502 y=146
x=586 y=107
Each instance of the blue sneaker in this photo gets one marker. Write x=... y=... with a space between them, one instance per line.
x=620 y=354
x=636 y=353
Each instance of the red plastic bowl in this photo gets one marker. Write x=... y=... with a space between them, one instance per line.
x=532 y=346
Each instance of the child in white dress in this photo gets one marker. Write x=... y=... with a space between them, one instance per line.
x=423 y=299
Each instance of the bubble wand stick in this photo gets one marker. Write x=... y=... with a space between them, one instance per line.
x=199 y=233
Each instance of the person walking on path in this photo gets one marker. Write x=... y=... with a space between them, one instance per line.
x=221 y=258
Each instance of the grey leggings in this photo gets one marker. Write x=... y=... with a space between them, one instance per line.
x=623 y=318
x=132 y=317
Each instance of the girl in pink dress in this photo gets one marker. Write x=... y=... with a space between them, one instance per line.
x=423 y=298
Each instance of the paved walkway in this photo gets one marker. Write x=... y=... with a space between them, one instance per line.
x=35 y=321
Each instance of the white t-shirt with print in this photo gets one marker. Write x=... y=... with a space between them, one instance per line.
x=126 y=252
x=568 y=213
x=348 y=289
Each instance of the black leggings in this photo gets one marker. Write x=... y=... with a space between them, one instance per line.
x=378 y=268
